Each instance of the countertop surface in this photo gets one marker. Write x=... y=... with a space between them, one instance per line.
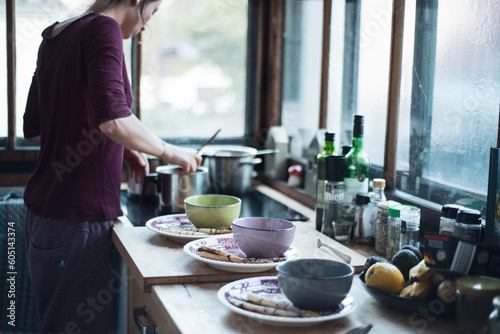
x=187 y=288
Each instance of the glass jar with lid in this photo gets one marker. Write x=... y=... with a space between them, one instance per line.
x=410 y=226
x=448 y=218
x=468 y=225
x=382 y=226
x=393 y=231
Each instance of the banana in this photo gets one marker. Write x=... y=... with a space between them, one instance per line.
x=418 y=290
x=421 y=272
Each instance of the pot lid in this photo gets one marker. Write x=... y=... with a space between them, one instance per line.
x=226 y=151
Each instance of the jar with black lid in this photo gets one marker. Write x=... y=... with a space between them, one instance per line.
x=468 y=225
x=365 y=215
x=448 y=218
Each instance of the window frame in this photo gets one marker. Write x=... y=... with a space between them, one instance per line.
x=264 y=96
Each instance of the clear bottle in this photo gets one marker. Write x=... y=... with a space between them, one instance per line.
x=334 y=193
x=468 y=226
x=494 y=320
x=328 y=149
x=378 y=193
x=448 y=218
x=410 y=226
x=357 y=170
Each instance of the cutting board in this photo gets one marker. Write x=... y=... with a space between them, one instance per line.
x=153 y=259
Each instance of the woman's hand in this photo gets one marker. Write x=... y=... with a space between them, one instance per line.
x=176 y=155
x=138 y=165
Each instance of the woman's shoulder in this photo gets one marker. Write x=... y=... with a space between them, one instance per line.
x=102 y=26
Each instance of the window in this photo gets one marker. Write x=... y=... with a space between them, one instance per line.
x=449 y=100
x=193 y=64
x=448 y=109
x=3 y=73
x=194 y=69
x=302 y=71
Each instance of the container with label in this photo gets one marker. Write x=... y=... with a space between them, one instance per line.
x=364 y=220
x=448 y=218
x=468 y=225
x=334 y=193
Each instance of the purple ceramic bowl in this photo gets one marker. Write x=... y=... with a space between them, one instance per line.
x=263 y=237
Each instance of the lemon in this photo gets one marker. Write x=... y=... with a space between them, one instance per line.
x=385 y=277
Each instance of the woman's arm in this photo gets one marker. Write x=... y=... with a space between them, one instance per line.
x=34 y=139
x=131 y=133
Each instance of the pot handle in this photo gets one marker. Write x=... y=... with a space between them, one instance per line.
x=152 y=177
x=254 y=161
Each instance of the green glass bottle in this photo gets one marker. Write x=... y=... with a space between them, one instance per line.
x=357 y=172
x=328 y=149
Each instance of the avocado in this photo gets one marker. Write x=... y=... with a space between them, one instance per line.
x=404 y=260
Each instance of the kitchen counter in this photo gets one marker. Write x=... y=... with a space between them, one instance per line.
x=180 y=293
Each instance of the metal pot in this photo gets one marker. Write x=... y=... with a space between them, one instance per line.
x=135 y=189
x=173 y=187
x=230 y=168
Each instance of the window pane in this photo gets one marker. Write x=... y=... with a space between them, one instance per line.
x=32 y=17
x=359 y=72
x=194 y=68
x=449 y=99
x=3 y=72
x=301 y=71
x=373 y=80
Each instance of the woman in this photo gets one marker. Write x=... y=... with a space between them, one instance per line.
x=79 y=110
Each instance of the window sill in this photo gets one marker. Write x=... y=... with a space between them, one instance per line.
x=429 y=211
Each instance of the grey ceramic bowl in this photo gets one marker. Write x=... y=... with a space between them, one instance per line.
x=263 y=237
x=315 y=284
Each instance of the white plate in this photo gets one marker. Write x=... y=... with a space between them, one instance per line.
x=228 y=245
x=267 y=287
x=162 y=224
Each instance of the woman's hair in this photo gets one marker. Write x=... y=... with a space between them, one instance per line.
x=104 y=5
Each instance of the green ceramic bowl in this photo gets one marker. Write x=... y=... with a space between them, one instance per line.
x=212 y=211
x=479 y=286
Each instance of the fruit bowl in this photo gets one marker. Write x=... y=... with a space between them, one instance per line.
x=434 y=307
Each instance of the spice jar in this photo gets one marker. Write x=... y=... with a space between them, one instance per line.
x=468 y=225
x=394 y=230
x=381 y=226
x=410 y=226
x=448 y=218
x=365 y=213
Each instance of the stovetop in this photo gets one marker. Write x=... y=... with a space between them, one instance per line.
x=253 y=204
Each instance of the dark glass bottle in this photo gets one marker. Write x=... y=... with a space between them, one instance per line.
x=328 y=149
x=334 y=193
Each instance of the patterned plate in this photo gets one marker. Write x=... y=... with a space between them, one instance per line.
x=162 y=224
x=267 y=287
x=228 y=245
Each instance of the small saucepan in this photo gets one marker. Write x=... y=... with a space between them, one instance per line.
x=173 y=188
